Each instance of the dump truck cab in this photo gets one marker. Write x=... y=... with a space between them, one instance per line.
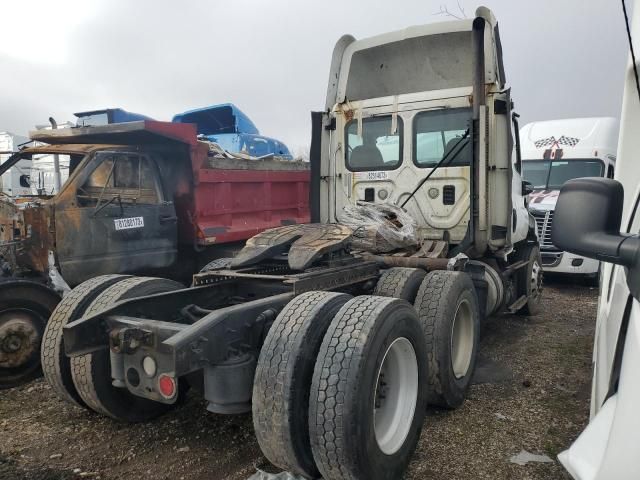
x=115 y=213
x=397 y=104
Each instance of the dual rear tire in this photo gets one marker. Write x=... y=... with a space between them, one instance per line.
x=340 y=387
x=342 y=383
x=85 y=381
x=447 y=306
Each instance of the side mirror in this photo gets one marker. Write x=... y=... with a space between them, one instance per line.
x=587 y=222
x=527 y=188
x=25 y=181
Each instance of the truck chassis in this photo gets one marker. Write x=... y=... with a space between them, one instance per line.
x=219 y=330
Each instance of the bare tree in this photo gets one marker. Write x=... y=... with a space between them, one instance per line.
x=444 y=10
x=301 y=153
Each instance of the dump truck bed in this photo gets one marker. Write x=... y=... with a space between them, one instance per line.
x=226 y=199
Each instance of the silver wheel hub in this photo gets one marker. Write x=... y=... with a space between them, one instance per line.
x=462 y=339
x=536 y=279
x=396 y=396
x=18 y=339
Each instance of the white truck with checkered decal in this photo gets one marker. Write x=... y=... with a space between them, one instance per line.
x=553 y=152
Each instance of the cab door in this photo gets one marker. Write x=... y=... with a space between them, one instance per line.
x=116 y=219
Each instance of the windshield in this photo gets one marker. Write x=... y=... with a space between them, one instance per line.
x=552 y=174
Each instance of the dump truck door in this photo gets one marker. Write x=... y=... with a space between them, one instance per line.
x=117 y=220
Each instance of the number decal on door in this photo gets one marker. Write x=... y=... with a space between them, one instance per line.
x=127 y=223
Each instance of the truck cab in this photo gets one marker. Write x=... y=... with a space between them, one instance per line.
x=229 y=127
x=554 y=152
x=397 y=105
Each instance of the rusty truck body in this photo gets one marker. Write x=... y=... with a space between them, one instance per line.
x=142 y=197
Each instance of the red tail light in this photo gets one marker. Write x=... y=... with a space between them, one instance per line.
x=167 y=386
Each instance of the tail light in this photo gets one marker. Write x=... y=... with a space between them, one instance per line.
x=167 y=386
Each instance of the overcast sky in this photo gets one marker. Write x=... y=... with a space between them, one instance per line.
x=271 y=58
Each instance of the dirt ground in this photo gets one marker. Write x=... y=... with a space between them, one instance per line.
x=531 y=392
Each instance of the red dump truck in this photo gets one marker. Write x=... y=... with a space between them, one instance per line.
x=143 y=197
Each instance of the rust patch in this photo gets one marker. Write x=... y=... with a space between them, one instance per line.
x=10 y=221
x=348 y=115
x=38 y=238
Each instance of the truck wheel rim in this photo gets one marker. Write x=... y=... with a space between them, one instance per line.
x=536 y=276
x=19 y=338
x=462 y=335
x=396 y=396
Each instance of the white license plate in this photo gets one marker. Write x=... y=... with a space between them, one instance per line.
x=372 y=176
x=127 y=223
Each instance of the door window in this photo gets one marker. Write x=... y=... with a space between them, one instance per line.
x=122 y=178
x=377 y=148
x=437 y=133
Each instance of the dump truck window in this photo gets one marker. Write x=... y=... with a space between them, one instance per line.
x=377 y=147
x=131 y=178
x=437 y=132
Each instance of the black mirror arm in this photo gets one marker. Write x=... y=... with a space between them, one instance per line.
x=608 y=247
x=630 y=251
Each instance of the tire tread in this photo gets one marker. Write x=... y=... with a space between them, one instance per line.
x=55 y=364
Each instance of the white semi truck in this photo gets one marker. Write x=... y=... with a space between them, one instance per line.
x=335 y=347
x=600 y=218
x=554 y=152
x=15 y=181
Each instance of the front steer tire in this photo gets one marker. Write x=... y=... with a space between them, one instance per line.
x=348 y=393
x=447 y=305
x=529 y=280
x=92 y=372
x=283 y=379
x=55 y=364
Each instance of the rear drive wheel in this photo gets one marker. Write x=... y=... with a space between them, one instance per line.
x=368 y=395
x=530 y=280
x=400 y=282
x=55 y=364
x=24 y=310
x=92 y=372
x=283 y=379
x=448 y=308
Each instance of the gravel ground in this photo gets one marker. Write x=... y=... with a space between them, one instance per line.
x=531 y=392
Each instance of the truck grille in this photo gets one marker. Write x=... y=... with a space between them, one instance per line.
x=544 y=220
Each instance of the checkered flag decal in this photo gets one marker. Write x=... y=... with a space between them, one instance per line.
x=545 y=142
x=571 y=141
x=550 y=141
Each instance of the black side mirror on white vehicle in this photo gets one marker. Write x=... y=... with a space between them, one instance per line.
x=587 y=222
x=527 y=188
